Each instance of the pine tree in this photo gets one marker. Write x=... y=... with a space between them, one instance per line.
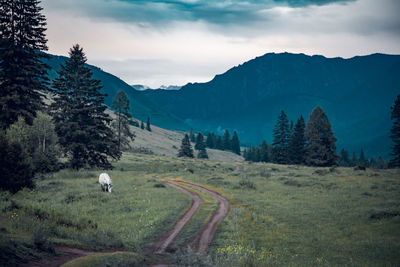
x=148 y=128
x=281 y=139
x=209 y=141
x=121 y=107
x=201 y=147
x=321 y=147
x=381 y=163
x=199 y=141
x=344 y=159
x=186 y=148
x=264 y=152
x=23 y=76
x=219 y=143
x=395 y=134
x=79 y=114
x=363 y=161
x=297 y=142
x=227 y=141
x=235 y=143
x=142 y=125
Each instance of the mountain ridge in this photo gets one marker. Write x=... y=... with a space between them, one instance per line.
x=249 y=97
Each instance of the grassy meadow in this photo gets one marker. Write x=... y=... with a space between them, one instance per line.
x=279 y=215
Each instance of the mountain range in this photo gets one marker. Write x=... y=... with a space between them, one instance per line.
x=141 y=107
x=356 y=94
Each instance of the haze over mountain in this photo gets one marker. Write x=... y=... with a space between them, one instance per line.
x=141 y=87
x=356 y=94
x=141 y=106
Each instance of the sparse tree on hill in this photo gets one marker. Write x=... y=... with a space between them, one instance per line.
x=201 y=147
x=186 y=148
x=235 y=143
x=142 y=125
x=344 y=159
x=148 y=128
x=297 y=142
x=281 y=139
x=23 y=76
x=227 y=141
x=219 y=143
x=321 y=147
x=395 y=134
x=121 y=107
x=79 y=114
x=210 y=142
x=199 y=141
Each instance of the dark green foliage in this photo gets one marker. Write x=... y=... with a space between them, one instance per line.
x=344 y=159
x=281 y=140
x=16 y=170
x=395 y=134
x=199 y=142
x=121 y=108
x=297 y=142
x=321 y=147
x=354 y=160
x=363 y=161
x=260 y=153
x=186 y=148
x=79 y=114
x=226 y=142
x=142 y=125
x=201 y=147
x=235 y=143
x=23 y=75
x=219 y=143
x=148 y=128
x=211 y=140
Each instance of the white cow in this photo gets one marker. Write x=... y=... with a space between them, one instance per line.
x=105 y=182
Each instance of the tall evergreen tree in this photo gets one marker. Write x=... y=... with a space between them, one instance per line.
x=186 y=148
x=297 y=142
x=201 y=147
x=344 y=159
x=264 y=152
x=226 y=141
x=121 y=107
x=235 y=143
x=199 y=141
x=281 y=139
x=363 y=161
x=219 y=143
x=210 y=142
x=79 y=114
x=142 y=125
x=148 y=128
x=395 y=133
x=23 y=75
x=321 y=147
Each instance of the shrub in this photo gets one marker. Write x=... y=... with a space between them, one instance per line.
x=16 y=169
x=42 y=241
x=246 y=183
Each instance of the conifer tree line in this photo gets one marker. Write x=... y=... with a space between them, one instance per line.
x=311 y=143
x=224 y=142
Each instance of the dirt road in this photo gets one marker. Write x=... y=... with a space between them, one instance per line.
x=203 y=239
x=200 y=242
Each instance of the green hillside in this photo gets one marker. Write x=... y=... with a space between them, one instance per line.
x=141 y=106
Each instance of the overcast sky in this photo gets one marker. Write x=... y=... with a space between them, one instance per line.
x=173 y=42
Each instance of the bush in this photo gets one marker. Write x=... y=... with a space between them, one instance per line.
x=42 y=241
x=247 y=184
x=16 y=170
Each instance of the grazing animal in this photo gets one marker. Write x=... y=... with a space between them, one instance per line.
x=105 y=182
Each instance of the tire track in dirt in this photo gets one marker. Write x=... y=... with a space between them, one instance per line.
x=169 y=237
x=204 y=237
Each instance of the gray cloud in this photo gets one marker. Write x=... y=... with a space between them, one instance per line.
x=159 y=12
